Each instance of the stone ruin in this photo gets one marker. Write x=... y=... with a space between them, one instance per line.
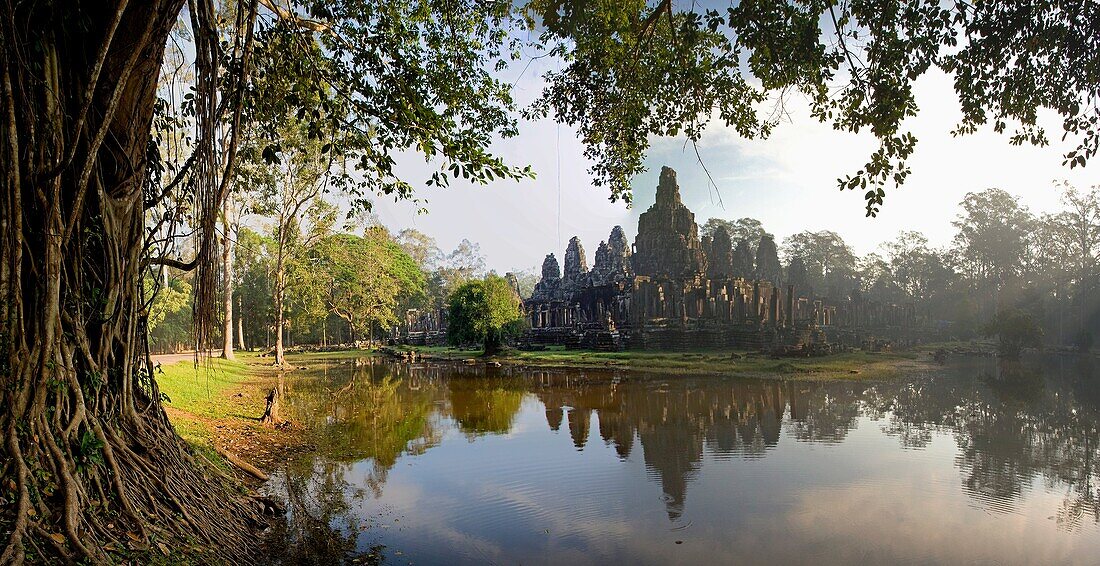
x=672 y=290
x=668 y=238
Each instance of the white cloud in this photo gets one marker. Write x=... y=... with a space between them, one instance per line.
x=787 y=181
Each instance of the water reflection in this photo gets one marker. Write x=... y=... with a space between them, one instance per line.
x=503 y=450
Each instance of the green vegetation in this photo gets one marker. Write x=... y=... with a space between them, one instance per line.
x=127 y=121
x=203 y=402
x=169 y=315
x=363 y=280
x=483 y=312
x=1015 y=330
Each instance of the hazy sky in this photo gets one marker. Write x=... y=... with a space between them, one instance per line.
x=787 y=181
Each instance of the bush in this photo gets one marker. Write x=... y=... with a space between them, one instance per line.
x=1015 y=330
x=482 y=312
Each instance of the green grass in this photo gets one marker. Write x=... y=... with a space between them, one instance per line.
x=854 y=365
x=202 y=390
x=199 y=394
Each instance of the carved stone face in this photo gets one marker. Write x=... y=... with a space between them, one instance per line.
x=550 y=268
x=575 y=262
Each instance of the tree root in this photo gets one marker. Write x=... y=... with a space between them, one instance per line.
x=176 y=499
x=242 y=464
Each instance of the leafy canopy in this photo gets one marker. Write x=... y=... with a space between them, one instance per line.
x=364 y=279
x=369 y=80
x=479 y=311
x=637 y=69
x=1015 y=330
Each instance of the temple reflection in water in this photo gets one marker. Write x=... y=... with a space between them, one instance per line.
x=1011 y=426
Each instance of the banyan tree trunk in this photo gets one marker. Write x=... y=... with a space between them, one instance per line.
x=227 y=288
x=88 y=459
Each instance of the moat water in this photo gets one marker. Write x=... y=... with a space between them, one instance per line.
x=977 y=462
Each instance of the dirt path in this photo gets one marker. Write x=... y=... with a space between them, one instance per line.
x=167 y=359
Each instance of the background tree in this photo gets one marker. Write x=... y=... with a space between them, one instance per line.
x=479 y=311
x=367 y=278
x=992 y=239
x=421 y=247
x=799 y=277
x=1015 y=330
x=830 y=262
x=170 y=315
x=462 y=264
x=82 y=169
x=283 y=192
x=231 y=217
x=876 y=278
x=256 y=316
x=526 y=279
x=1079 y=226
x=749 y=229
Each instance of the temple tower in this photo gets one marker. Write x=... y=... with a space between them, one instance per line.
x=668 y=238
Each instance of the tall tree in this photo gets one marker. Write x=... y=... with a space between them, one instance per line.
x=80 y=169
x=799 y=277
x=421 y=247
x=741 y=229
x=254 y=292
x=367 y=278
x=231 y=218
x=992 y=239
x=462 y=264
x=284 y=192
x=830 y=262
x=1081 y=221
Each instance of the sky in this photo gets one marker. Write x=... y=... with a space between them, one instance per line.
x=787 y=181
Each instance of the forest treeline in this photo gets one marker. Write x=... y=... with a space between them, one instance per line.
x=343 y=285
x=1003 y=258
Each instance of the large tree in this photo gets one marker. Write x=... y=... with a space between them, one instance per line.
x=992 y=239
x=366 y=279
x=82 y=173
x=480 y=311
x=87 y=447
x=741 y=229
x=830 y=263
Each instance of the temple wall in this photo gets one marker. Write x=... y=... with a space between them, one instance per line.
x=670 y=290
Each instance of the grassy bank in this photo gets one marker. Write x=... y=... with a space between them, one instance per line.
x=218 y=405
x=854 y=365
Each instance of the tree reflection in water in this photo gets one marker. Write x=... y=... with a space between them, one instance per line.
x=1012 y=425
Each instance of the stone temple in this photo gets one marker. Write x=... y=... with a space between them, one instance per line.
x=671 y=290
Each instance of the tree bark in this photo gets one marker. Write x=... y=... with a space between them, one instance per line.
x=240 y=326
x=227 y=282
x=86 y=445
x=280 y=288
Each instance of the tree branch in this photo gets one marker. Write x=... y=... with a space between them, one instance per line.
x=174 y=263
